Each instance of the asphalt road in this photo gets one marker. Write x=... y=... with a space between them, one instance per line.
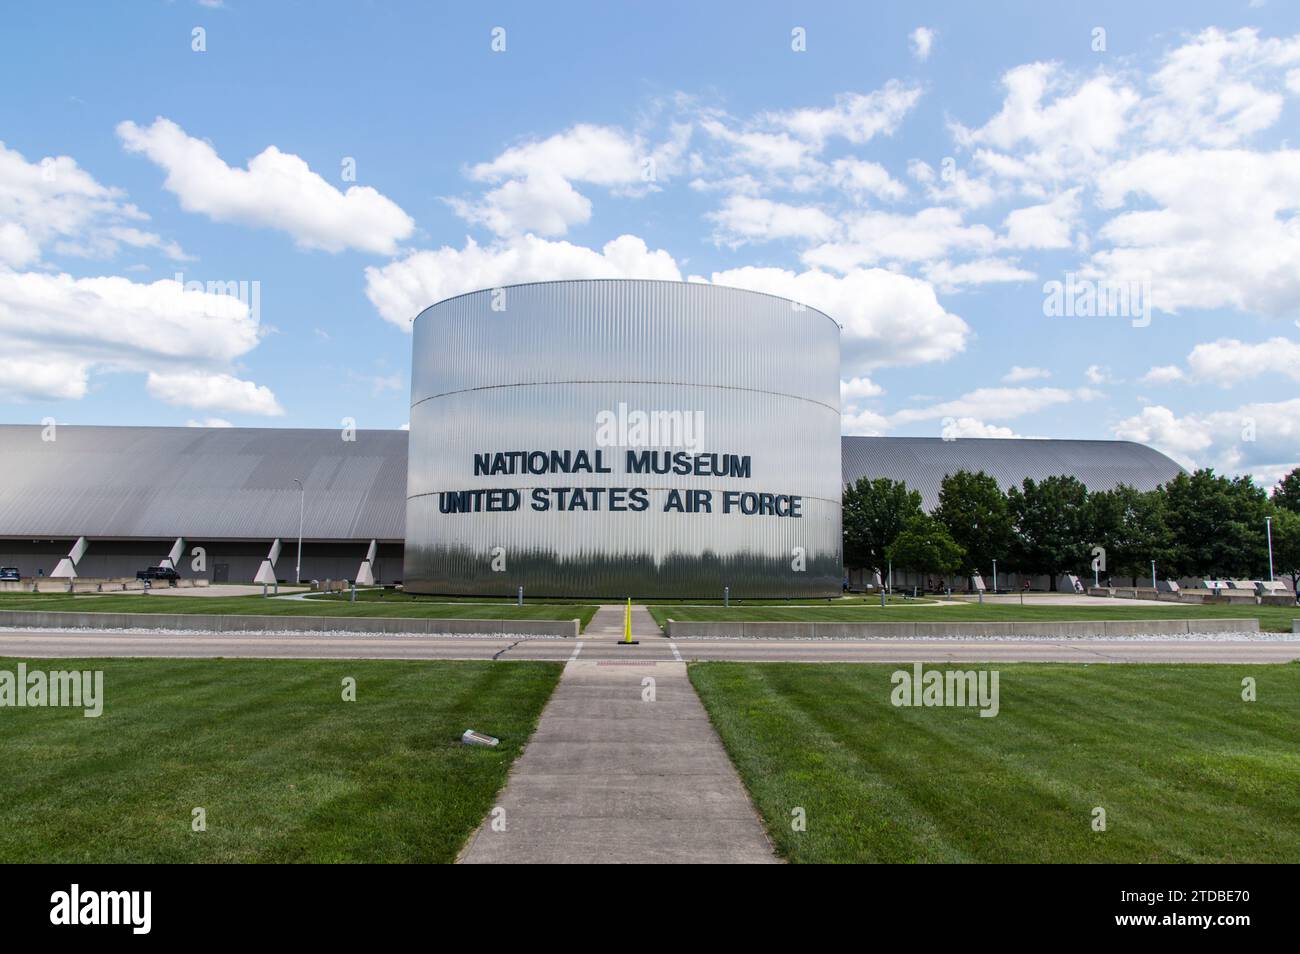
x=650 y=649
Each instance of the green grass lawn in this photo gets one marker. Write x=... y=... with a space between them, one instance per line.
x=1272 y=618
x=373 y=595
x=258 y=606
x=1185 y=770
x=286 y=770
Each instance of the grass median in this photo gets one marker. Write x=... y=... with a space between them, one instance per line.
x=1185 y=770
x=259 y=606
x=285 y=770
x=1271 y=618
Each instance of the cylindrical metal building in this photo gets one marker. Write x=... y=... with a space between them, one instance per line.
x=608 y=438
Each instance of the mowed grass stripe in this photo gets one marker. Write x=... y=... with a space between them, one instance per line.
x=1185 y=769
x=1271 y=618
x=259 y=606
x=286 y=770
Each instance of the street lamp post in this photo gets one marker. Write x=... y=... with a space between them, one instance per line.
x=995 y=576
x=1268 y=529
x=302 y=500
x=1153 y=575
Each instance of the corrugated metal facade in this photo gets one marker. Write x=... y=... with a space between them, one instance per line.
x=530 y=368
x=923 y=462
x=201 y=483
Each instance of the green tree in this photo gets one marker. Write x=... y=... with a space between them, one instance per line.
x=875 y=512
x=924 y=546
x=973 y=509
x=1051 y=523
x=1129 y=525
x=1216 y=525
x=1286 y=544
x=1286 y=495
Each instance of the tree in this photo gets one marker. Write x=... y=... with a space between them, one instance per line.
x=1129 y=525
x=875 y=512
x=973 y=509
x=1216 y=525
x=1286 y=495
x=1051 y=523
x=1286 y=544
x=924 y=546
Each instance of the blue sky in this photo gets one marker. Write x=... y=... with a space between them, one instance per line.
x=919 y=171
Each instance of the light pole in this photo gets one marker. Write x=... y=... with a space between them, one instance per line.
x=1153 y=575
x=1268 y=529
x=995 y=577
x=302 y=500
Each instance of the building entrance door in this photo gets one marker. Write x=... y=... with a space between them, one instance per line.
x=221 y=573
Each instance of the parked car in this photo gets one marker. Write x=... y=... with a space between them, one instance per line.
x=9 y=574
x=158 y=573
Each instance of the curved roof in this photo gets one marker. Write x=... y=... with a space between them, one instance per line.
x=237 y=483
x=221 y=483
x=924 y=461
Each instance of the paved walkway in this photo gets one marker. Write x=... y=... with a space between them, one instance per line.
x=611 y=778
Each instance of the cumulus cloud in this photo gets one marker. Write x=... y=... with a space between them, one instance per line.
x=218 y=392
x=1227 y=362
x=1162 y=374
x=888 y=318
x=859 y=387
x=745 y=219
x=1259 y=438
x=1222 y=231
x=1047 y=225
x=56 y=205
x=1018 y=375
x=404 y=288
x=997 y=404
x=56 y=330
x=921 y=40
x=278 y=190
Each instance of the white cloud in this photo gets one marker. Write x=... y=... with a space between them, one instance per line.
x=997 y=404
x=55 y=330
x=922 y=40
x=212 y=392
x=954 y=428
x=1162 y=374
x=743 y=219
x=1018 y=375
x=949 y=277
x=855 y=117
x=859 y=387
x=209 y=422
x=536 y=192
x=278 y=190
x=402 y=289
x=55 y=203
x=863 y=423
x=1206 y=91
x=860 y=177
x=1260 y=438
x=888 y=318
x=874 y=237
x=1061 y=128
x=1228 y=361
x=1223 y=232
x=1047 y=225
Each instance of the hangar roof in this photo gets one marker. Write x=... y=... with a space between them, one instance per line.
x=221 y=483
x=236 y=483
x=924 y=461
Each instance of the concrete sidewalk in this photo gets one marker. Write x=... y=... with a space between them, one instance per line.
x=610 y=778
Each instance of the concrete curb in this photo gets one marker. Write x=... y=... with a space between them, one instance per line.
x=213 y=623
x=1067 y=629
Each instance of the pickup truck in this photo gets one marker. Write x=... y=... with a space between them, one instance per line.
x=158 y=573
